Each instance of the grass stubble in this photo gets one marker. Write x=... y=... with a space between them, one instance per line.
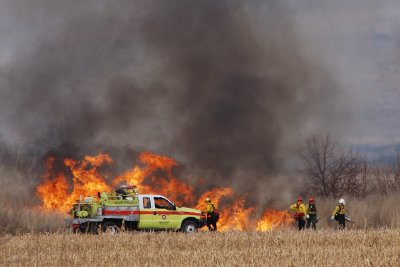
x=273 y=248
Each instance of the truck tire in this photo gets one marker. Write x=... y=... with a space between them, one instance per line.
x=93 y=228
x=189 y=227
x=110 y=227
x=131 y=226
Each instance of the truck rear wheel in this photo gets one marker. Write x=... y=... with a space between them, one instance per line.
x=93 y=228
x=110 y=227
x=189 y=227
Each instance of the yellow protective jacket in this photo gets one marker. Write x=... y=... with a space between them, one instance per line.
x=339 y=210
x=209 y=208
x=299 y=208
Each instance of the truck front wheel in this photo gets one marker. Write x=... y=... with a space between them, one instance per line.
x=189 y=227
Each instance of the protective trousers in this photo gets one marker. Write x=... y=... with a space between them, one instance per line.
x=341 y=220
x=312 y=221
x=301 y=224
x=211 y=221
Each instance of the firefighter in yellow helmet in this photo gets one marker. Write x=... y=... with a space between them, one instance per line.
x=212 y=215
x=300 y=212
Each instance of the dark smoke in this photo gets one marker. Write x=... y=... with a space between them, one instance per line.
x=223 y=86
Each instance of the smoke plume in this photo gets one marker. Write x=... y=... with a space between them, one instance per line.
x=222 y=86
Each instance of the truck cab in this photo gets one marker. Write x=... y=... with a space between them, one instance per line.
x=157 y=212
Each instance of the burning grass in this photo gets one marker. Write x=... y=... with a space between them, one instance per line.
x=22 y=211
x=151 y=174
x=232 y=248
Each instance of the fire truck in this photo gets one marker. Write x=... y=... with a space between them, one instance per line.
x=124 y=209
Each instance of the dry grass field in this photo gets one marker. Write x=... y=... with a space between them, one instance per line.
x=274 y=248
x=364 y=244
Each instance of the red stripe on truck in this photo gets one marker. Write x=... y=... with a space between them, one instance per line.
x=158 y=212
x=162 y=212
x=120 y=212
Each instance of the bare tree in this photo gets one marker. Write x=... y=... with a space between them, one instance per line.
x=382 y=177
x=354 y=182
x=333 y=169
x=316 y=156
x=385 y=176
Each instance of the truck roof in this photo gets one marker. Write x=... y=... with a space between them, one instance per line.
x=151 y=195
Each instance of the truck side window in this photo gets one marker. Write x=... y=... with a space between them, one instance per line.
x=162 y=203
x=146 y=203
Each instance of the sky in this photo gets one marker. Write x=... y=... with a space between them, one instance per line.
x=359 y=42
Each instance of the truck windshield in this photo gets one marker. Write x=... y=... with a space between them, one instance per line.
x=162 y=203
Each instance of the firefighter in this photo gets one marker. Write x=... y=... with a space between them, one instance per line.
x=300 y=214
x=211 y=216
x=311 y=214
x=339 y=214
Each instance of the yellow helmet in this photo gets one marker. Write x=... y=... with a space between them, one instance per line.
x=208 y=200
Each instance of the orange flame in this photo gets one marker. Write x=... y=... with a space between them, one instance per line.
x=237 y=217
x=273 y=219
x=134 y=177
x=216 y=195
x=87 y=181
x=153 y=175
x=177 y=191
x=53 y=191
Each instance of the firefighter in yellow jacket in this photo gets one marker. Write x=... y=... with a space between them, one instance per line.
x=211 y=215
x=339 y=214
x=300 y=213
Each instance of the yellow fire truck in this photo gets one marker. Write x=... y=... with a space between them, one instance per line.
x=125 y=209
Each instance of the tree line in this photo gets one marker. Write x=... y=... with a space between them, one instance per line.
x=332 y=169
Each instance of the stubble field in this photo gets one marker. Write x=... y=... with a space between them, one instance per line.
x=274 y=248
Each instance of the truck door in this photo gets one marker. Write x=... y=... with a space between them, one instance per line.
x=146 y=205
x=165 y=215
